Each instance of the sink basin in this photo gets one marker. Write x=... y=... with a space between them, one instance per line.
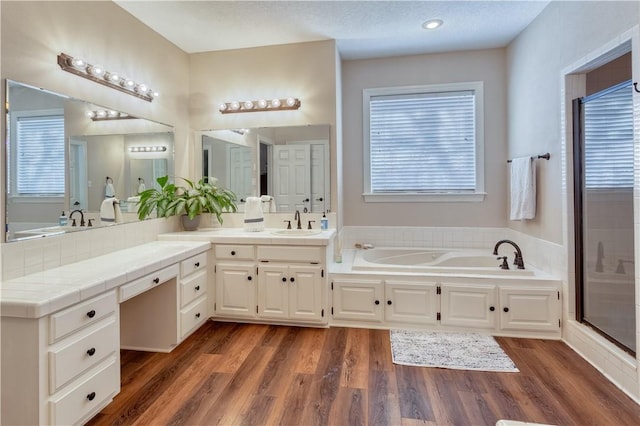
x=296 y=232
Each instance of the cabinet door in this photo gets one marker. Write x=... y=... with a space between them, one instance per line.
x=529 y=309
x=305 y=293
x=411 y=302
x=468 y=305
x=235 y=290
x=358 y=300
x=273 y=291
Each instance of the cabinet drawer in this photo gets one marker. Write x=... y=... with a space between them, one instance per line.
x=81 y=353
x=88 y=396
x=82 y=314
x=143 y=284
x=193 y=315
x=193 y=264
x=290 y=254
x=193 y=287
x=236 y=252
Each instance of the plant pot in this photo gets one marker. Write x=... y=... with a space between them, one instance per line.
x=190 y=224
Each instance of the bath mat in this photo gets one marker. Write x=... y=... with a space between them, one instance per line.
x=461 y=351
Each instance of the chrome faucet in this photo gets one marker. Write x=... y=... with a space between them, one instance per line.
x=73 y=221
x=297 y=217
x=518 y=261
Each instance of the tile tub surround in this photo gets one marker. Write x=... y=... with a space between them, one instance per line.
x=543 y=255
x=41 y=293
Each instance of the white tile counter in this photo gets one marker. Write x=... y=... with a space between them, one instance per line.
x=39 y=294
x=240 y=236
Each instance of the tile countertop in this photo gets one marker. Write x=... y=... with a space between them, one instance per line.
x=240 y=236
x=42 y=293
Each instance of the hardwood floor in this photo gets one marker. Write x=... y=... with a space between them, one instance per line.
x=241 y=374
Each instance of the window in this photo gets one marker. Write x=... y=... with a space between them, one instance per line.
x=38 y=155
x=608 y=138
x=424 y=143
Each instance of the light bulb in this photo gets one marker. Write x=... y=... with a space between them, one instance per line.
x=142 y=88
x=113 y=113
x=128 y=83
x=78 y=63
x=91 y=114
x=101 y=114
x=262 y=103
x=432 y=24
x=248 y=105
x=155 y=94
x=291 y=102
x=113 y=77
x=96 y=70
x=222 y=107
x=235 y=105
x=275 y=103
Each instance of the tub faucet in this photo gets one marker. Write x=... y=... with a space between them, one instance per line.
x=518 y=261
x=73 y=221
x=297 y=217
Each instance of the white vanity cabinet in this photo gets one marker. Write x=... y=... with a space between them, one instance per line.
x=63 y=368
x=235 y=284
x=271 y=283
x=469 y=305
x=60 y=347
x=358 y=300
x=411 y=302
x=526 y=309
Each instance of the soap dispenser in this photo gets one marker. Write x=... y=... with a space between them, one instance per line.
x=324 y=222
x=62 y=220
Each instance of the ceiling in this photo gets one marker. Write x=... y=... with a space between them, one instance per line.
x=362 y=29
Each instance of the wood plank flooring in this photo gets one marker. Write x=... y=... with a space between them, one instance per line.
x=242 y=374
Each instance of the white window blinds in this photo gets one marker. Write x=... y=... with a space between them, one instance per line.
x=423 y=142
x=608 y=133
x=40 y=155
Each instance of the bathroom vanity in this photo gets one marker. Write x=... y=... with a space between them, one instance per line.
x=62 y=329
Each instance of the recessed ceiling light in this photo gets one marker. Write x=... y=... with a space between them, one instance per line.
x=432 y=24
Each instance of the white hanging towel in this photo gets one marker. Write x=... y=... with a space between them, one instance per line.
x=523 y=189
x=107 y=212
x=109 y=190
x=253 y=216
x=268 y=204
x=110 y=211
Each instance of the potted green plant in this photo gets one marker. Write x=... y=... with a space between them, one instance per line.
x=189 y=200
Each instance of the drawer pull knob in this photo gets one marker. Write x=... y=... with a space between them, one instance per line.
x=91 y=313
x=156 y=280
x=91 y=396
x=292 y=279
x=198 y=315
x=389 y=302
x=492 y=308
x=197 y=264
x=91 y=351
x=284 y=279
x=197 y=288
x=233 y=252
x=505 y=309
x=249 y=278
x=377 y=302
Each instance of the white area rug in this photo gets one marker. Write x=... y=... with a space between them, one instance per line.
x=461 y=351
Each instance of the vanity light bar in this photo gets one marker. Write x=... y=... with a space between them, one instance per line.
x=98 y=74
x=147 y=148
x=105 y=115
x=260 y=105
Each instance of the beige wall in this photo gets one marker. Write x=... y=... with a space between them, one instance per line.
x=34 y=33
x=304 y=70
x=562 y=34
x=483 y=65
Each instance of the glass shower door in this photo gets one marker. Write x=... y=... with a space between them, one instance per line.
x=606 y=242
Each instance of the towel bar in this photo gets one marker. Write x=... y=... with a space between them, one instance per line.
x=543 y=156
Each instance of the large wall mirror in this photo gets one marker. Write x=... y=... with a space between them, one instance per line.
x=60 y=158
x=289 y=163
